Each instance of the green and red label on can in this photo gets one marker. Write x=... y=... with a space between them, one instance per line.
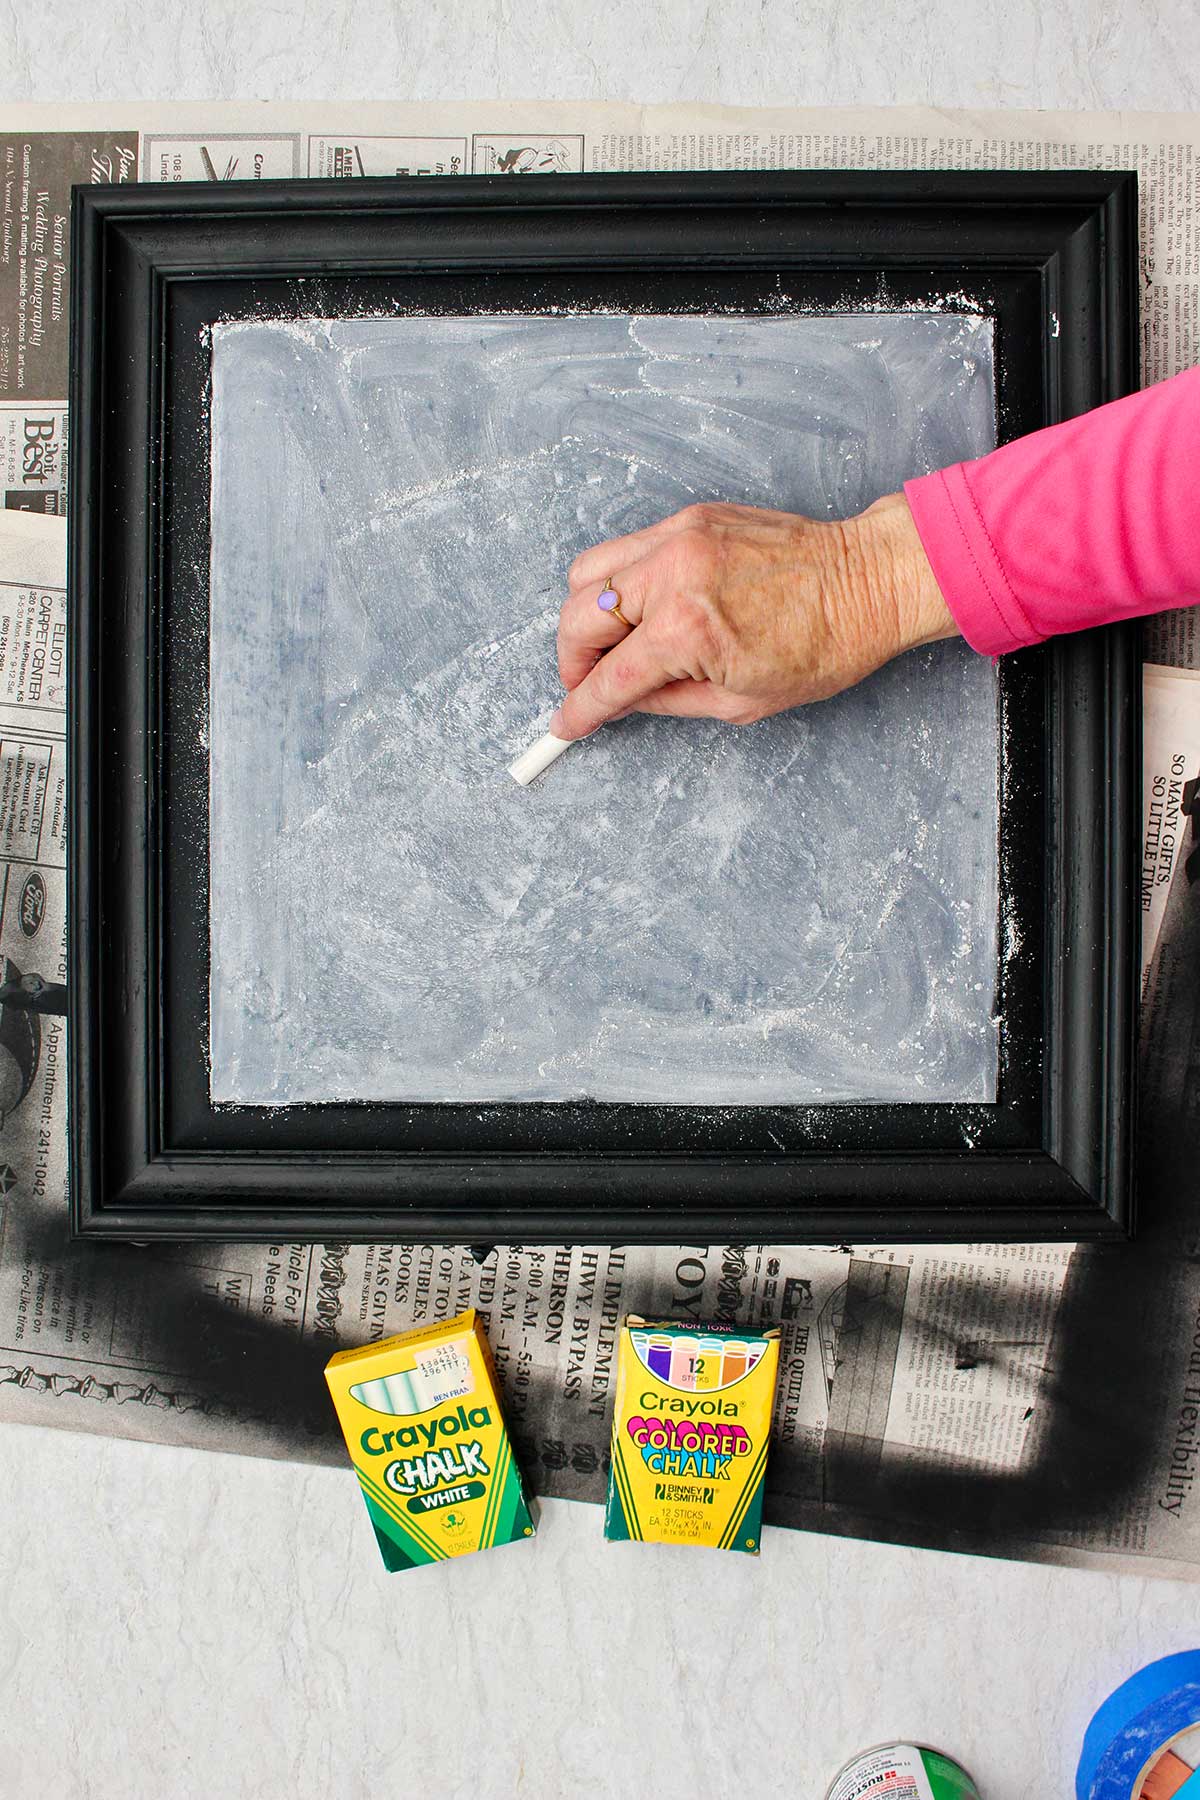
x=903 y=1772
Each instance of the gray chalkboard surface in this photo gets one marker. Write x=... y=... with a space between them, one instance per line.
x=800 y=911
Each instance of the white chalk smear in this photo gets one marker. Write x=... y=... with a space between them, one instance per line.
x=801 y=913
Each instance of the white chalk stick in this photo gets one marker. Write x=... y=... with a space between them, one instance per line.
x=530 y=764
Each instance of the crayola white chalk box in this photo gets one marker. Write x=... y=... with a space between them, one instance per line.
x=691 y=1423
x=421 y=1416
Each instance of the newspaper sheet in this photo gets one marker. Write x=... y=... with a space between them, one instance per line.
x=1170 y=765
x=1015 y=1400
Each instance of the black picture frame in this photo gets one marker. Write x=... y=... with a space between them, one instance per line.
x=1052 y=258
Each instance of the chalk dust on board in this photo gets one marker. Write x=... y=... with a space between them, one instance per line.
x=804 y=910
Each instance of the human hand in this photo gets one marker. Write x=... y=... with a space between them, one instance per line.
x=739 y=612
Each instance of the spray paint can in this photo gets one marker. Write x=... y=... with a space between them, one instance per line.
x=903 y=1772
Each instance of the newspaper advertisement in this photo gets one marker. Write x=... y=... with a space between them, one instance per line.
x=1170 y=777
x=1013 y=1400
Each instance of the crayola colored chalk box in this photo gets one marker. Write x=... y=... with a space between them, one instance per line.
x=422 y=1422
x=690 y=1429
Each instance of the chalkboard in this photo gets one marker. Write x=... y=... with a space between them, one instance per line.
x=1049 y=260
x=804 y=910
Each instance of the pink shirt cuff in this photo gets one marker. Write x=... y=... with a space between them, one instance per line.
x=1082 y=524
x=966 y=563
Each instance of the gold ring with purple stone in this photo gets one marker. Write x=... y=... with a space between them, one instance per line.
x=609 y=601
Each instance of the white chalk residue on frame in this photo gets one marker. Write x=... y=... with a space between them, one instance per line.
x=803 y=911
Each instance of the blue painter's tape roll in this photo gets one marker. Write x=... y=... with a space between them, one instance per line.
x=1157 y=1704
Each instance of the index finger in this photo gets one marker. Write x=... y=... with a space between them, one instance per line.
x=597 y=564
x=617 y=683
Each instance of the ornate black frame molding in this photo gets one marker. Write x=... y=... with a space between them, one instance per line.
x=1052 y=257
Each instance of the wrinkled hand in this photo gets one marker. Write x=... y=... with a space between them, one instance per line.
x=739 y=612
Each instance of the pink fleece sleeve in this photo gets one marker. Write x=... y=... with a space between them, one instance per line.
x=1077 y=525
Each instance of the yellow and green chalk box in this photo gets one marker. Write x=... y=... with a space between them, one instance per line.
x=422 y=1422
x=690 y=1430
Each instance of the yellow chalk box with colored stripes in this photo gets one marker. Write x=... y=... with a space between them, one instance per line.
x=690 y=1431
x=422 y=1422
